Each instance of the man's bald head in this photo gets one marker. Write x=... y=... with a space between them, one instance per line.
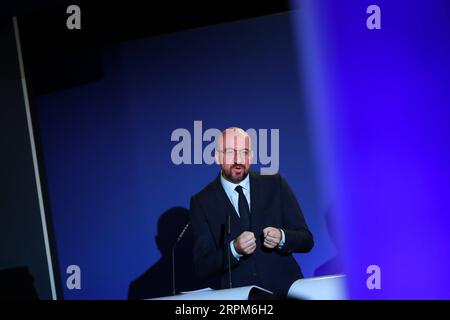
x=231 y=136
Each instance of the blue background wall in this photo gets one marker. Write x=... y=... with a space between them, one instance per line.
x=106 y=144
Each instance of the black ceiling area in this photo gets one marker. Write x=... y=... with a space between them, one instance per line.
x=51 y=50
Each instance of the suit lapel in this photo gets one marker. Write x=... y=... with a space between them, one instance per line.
x=224 y=202
x=255 y=202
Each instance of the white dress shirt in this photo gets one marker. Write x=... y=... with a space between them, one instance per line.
x=233 y=195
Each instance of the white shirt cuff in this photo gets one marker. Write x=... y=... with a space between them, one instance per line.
x=281 y=244
x=235 y=254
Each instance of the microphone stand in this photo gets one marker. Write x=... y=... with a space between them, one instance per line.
x=228 y=231
x=174 y=292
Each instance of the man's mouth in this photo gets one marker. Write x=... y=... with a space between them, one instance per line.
x=237 y=169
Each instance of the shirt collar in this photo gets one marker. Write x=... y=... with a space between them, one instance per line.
x=230 y=186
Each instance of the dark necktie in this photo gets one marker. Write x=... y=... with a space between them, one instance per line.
x=244 y=210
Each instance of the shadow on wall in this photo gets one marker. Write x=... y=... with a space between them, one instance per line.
x=157 y=280
x=333 y=265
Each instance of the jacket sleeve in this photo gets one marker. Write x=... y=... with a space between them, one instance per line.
x=210 y=258
x=298 y=238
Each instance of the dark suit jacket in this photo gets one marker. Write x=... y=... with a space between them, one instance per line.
x=273 y=204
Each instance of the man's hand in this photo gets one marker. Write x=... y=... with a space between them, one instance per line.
x=245 y=243
x=272 y=237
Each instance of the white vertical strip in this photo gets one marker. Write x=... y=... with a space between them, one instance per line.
x=35 y=163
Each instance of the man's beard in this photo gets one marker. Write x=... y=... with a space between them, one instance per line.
x=230 y=175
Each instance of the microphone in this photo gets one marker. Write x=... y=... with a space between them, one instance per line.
x=228 y=232
x=174 y=292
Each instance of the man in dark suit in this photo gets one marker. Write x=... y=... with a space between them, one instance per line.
x=267 y=224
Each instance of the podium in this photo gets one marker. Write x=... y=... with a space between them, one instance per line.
x=240 y=293
x=319 y=288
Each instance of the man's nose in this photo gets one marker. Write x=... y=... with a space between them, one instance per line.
x=238 y=158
